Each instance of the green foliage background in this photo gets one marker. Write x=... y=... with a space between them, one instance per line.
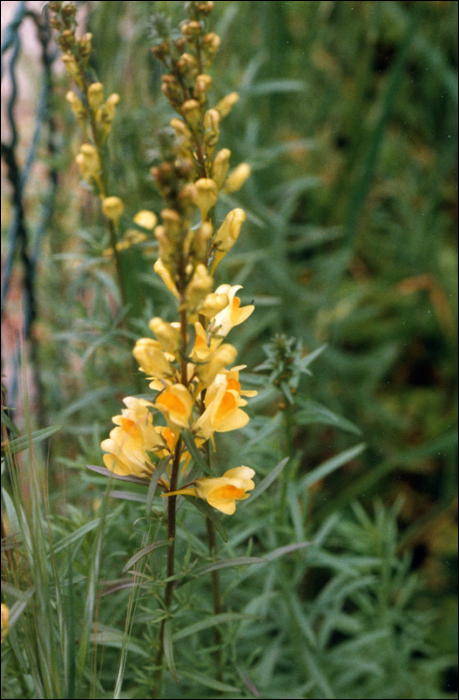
x=348 y=117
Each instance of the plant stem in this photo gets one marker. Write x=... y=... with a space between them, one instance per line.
x=211 y=537
x=169 y=590
x=288 y=436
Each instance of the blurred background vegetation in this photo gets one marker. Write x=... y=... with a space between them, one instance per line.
x=348 y=118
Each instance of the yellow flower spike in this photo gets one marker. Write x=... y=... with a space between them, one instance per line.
x=191 y=110
x=113 y=208
x=160 y=268
x=233 y=314
x=198 y=289
x=213 y=304
x=237 y=178
x=95 y=96
x=151 y=359
x=220 y=166
x=222 y=492
x=168 y=336
x=5 y=621
x=206 y=195
x=215 y=362
x=88 y=162
x=227 y=235
x=225 y=105
x=145 y=218
x=176 y=404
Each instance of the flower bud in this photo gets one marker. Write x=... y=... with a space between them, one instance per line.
x=172 y=223
x=225 y=105
x=161 y=269
x=211 y=126
x=88 y=161
x=192 y=29
x=220 y=166
x=202 y=86
x=224 y=355
x=168 y=336
x=201 y=241
x=145 y=219
x=206 y=196
x=211 y=43
x=227 y=235
x=77 y=106
x=84 y=44
x=113 y=208
x=191 y=110
x=237 y=178
x=95 y=96
x=199 y=287
x=71 y=65
x=151 y=359
x=213 y=304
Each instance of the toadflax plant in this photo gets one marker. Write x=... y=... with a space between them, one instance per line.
x=166 y=440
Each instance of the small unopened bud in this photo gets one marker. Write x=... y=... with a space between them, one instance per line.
x=161 y=269
x=191 y=110
x=95 y=96
x=237 y=178
x=77 y=106
x=151 y=359
x=206 y=195
x=88 y=162
x=113 y=208
x=192 y=29
x=213 y=304
x=225 y=105
x=168 y=336
x=199 y=287
x=186 y=63
x=211 y=126
x=71 y=65
x=202 y=86
x=84 y=44
x=146 y=219
x=172 y=222
x=165 y=246
x=211 y=43
x=205 y=7
x=220 y=166
x=227 y=235
x=201 y=241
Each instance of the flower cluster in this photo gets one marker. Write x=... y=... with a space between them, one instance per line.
x=188 y=362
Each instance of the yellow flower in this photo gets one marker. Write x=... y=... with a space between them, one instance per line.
x=223 y=412
x=129 y=442
x=222 y=492
x=227 y=235
x=78 y=108
x=198 y=289
x=5 y=621
x=176 y=404
x=95 y=95
x=151 y=359
x=232 y=315
x=213 y=304
x=220 y=166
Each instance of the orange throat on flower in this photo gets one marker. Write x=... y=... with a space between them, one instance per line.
x=228 y=491
x=171 y=402
x=228 y=404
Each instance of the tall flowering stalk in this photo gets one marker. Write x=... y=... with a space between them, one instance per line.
x=195 y=392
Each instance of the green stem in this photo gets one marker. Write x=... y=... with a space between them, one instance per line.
x=216 y=595
x=288 y=438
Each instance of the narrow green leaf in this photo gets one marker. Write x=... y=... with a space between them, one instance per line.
x=107 y=472
x=209 y=623
x=77 y=535
x=126 y=496
x=312 y=356
x=143 y=552
x=330 y=466
x=282 y=551
x=210 y=682
x=265 y=484
x=11 y=512
x=111 y=637
x=8 y=423
x=210 y=513
x=227 y=563
x=169 y=651
x=196 y=456
x=313 y=412
x=23 y=442
x=157 y=474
